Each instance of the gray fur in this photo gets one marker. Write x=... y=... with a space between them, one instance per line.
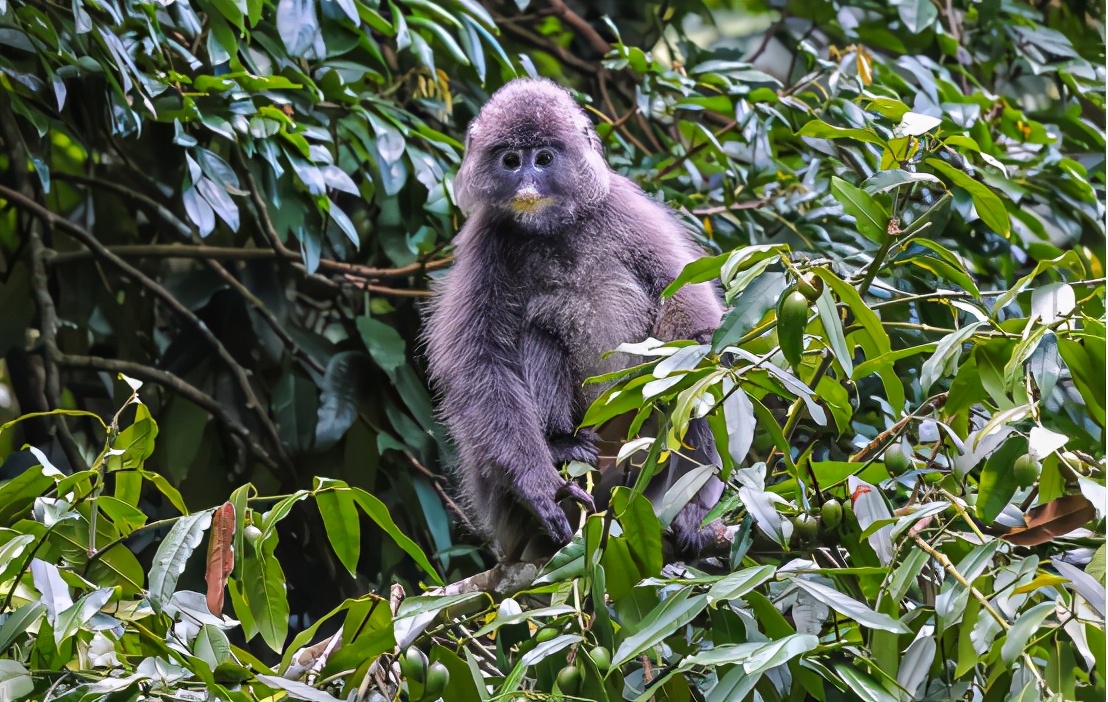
x=533 y=301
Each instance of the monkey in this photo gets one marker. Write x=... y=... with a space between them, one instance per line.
x=559 y=261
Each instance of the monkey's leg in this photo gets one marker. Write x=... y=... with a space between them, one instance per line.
x=689 y=536
x=556 y=396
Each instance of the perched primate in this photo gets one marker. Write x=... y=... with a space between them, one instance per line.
x=560 y=260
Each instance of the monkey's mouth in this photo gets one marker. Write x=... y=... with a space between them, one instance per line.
x=528 y=200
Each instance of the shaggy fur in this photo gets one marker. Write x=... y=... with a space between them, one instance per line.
x=533 y=301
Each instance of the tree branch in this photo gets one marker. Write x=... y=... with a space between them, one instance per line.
x=85 y=237
x=232 y=253
x=582 y=27
x=175 y=384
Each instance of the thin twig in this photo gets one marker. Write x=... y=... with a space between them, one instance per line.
x=733 y=207
x=146 y=201
x=267 y=314
x=537 y=40
x=984 y=602
x=689 y=153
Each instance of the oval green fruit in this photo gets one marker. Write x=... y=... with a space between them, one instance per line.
x=896 y=461
x=805 y=528
x=413 y=665
x=792 y=318
x=601 y=657
x=545 y=634
x=831 y=513
x=438 y=677
x=569 y=680
x=1025 y=470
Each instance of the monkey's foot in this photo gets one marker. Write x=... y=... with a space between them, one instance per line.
x=582 y=446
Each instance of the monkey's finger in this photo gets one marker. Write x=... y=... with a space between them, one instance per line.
x=575 y=492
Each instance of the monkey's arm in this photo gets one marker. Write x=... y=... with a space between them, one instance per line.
x=550 y=380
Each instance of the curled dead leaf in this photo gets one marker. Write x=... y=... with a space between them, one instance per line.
x=221 y=555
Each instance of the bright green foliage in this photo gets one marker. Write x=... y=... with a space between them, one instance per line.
x=240 y=203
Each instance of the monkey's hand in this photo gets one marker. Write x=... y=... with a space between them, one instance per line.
x=542 y=501
x=574 y=492
x=581 y=446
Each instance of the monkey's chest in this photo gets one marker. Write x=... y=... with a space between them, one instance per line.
x=591 y=312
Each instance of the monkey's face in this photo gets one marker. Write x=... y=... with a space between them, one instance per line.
x=532 y=157
x=533 y=183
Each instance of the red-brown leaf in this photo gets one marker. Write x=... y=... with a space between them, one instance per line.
x=1055 y=518
x=221 y=555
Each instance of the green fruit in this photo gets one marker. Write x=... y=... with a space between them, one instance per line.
x=831 y=513
x=792 y=317
x=810 y=286
x=896 y=461
x=251 y=533
x=438 y=677
x=1025 y=470
x=805 y=528
x=545 y=634
x=569 y=680
x=413 y=665
x=601 y=657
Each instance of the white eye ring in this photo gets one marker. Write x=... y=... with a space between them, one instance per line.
x=511 y=160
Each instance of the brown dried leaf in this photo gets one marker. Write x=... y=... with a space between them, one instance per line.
x=1055 y=518
x=221 y=555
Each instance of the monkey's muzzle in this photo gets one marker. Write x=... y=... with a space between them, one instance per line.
x=528 y=199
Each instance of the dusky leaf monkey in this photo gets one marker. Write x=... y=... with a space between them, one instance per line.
x=559 y=261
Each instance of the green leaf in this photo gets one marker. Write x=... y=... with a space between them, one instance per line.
x=833 y=328
x=385 y=344
x=173 y=553
x=988 y=205
x=823 y=130
x=379 y=513
x=1027 y=624
x=997 y=486
x=947 y=354
x=863 y=686
x=737 y=584
x=699 y=271
x=850 y=607
x=673 y=614
x=15 y=681
x=340 y=519
x=641 y=528
x=871 y=216
x=265 y=590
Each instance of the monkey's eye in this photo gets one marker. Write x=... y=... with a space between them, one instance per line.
x=544 y=158
x=511 y=160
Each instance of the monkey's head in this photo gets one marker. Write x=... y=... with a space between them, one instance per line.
x=533 y=156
